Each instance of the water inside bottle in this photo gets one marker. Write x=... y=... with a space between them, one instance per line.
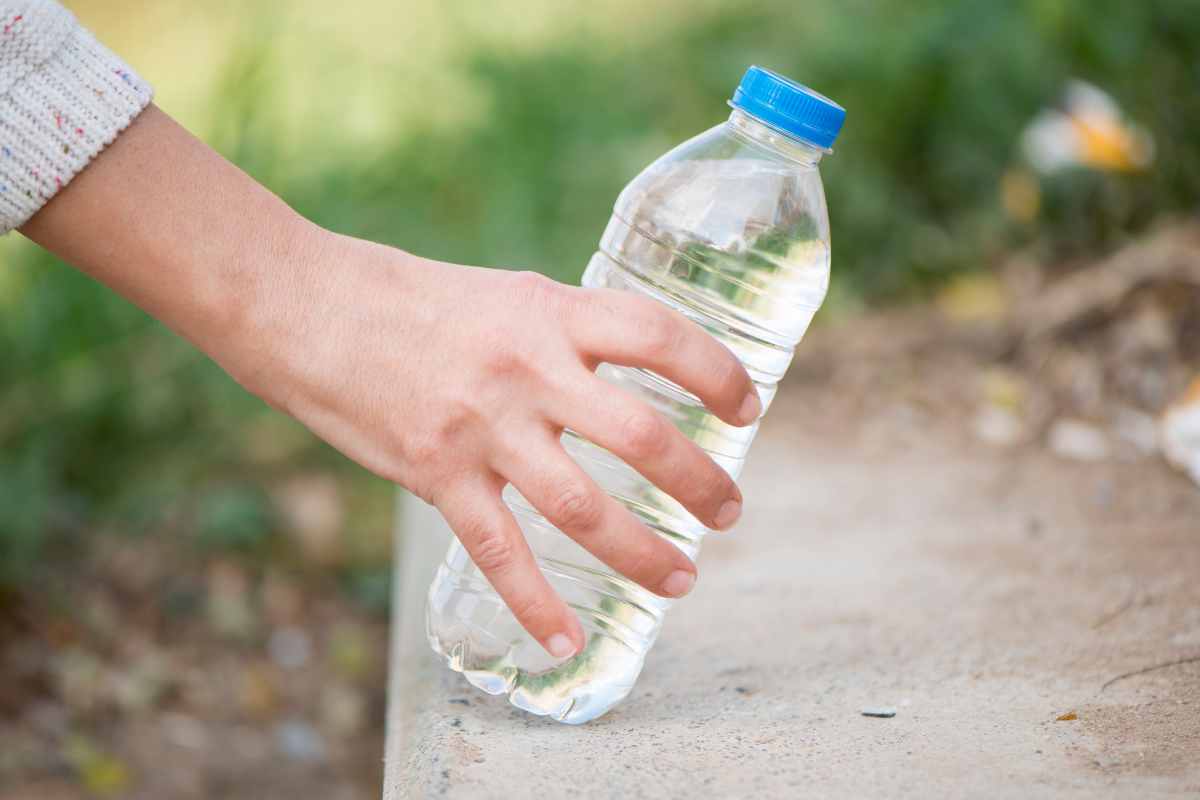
x=740 y=246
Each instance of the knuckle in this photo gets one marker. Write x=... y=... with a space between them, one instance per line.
x=533 y=285
x=501 y=358
x=731 y=377
x=492 y=551
x=533 y=607
x=661 y=334
x=640 y=563
x=443 y=442
x=424 y=452
x=717 y=483
x=644 y=434
x=575 y=507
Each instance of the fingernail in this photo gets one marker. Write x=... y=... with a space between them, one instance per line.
x=678 y=583
x=751 y=408
x=729 y=513
x=560 y=646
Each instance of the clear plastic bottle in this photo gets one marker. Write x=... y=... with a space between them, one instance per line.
x=730 y=228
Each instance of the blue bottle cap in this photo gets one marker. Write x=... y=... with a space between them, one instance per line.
x=789 y=106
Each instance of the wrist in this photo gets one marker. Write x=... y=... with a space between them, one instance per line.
x=313 y=300
x=254 y=309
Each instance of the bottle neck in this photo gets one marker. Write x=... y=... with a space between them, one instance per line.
x=785 y=144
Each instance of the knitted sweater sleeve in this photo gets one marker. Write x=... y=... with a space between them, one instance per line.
x=63 y=98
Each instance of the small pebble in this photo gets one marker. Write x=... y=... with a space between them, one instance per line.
x=885 y=712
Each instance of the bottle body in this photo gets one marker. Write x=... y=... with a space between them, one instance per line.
x=731 y=230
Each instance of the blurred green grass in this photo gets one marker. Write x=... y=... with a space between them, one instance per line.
x=501 y=137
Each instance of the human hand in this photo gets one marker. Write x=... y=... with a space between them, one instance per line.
x=455 y=381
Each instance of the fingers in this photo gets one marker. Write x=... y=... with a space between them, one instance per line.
x=557 y=487
x=631 y=330
x=644 y=439
x=495 y=543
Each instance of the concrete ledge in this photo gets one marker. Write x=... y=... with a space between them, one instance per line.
x=981 y=595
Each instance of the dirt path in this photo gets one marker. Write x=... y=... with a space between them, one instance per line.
x=886 y=558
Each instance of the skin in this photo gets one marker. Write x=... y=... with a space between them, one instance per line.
x=449 y=380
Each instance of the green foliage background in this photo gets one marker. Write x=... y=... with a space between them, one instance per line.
x=509 y=154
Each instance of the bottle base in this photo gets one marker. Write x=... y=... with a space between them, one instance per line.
x=573 y=691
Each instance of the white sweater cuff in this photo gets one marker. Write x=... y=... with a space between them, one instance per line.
x=58 y=117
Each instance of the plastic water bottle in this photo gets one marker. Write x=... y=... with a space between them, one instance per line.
x=729 y=228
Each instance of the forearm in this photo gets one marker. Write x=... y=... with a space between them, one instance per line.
x=167 y=222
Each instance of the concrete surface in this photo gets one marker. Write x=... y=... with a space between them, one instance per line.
x=983 y=593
